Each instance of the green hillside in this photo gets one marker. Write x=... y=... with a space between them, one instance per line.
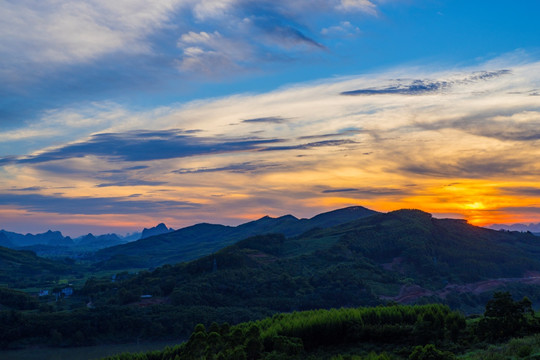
x=202 y=239
x=365 y=262
x=20 y=269
x=406 y=256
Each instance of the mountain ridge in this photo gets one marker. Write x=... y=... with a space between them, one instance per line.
x=201 y=239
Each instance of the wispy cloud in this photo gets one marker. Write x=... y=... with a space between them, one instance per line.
x=246 y=167
x=143 y=146
x=91 y=205
x=419 y=87
x=345 y=28
x=318 y=144
x=72 y=32
x=268 y=119
x=369 y=192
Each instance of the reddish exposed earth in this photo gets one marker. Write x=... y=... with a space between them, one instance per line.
x=410 y=293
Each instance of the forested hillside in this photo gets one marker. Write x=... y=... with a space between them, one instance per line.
x=428 y=332
x=404 y=256
x=24 y=268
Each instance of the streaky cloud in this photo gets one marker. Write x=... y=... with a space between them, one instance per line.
x=91 y=205
x=268 y=119
x=345 y=132
x=498 y=126
x=477 y=167
x=143 y=146
x=417 y=87
x=420 y=87
x=132 y=182
x=521 y=190
x=369 y=191
x=246 y=167
x=325 y=143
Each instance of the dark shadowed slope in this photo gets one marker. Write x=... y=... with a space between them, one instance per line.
x=203 y=239
x=17 y=267
x=362 y=262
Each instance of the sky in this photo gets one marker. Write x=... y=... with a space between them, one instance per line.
x=118 y=115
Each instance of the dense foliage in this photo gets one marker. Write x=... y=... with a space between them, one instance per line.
x=21 y=268
x=428 y=332
x=299 y=334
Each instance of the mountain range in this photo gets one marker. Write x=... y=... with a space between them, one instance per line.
x=404 y=256
x=201 y=239
x=53 y=243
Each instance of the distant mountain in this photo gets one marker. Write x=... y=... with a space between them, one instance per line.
x=49 y=237
x=157 y=230
x=404 y=256
x=4 y=241
x=98 y=242
x=533 y=227
x=55 y=244
x=198 y=240
x=131 y=237
x=61 y=241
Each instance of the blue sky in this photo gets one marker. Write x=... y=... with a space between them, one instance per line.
x=172 y=109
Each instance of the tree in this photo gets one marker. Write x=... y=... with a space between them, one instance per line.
x=430 y=352
x=504 y=317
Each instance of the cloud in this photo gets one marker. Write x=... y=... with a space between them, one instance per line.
x=521 y=209
x=518 y=126
x=46 y=31
x=57 y=53
x=521 y=191
x=212 y=53
x=420 y=87
x=91 y=205
x=318 y=144
x=417 y=87
x=358 y=5
x=345 y=28
x=143 y=146
x=132 y=182
x=369 y=192
x=341 y=133
x=478 y=166
x=288 y=36
x=269 y=119
x=242 y=168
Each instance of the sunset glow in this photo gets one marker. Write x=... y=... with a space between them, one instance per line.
x=218 y=127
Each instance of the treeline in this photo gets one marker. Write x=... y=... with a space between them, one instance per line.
x=112 y=324
x=296 y=335
x=417 y=332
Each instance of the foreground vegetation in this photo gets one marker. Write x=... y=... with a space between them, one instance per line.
x=420 y=332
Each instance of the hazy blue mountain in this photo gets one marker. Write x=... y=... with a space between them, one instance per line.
x=4 y=241
x=533 y=227
x=91 y=241
x=201 y=239
x=49 y=237
x=156 y=230
x=131 y=236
